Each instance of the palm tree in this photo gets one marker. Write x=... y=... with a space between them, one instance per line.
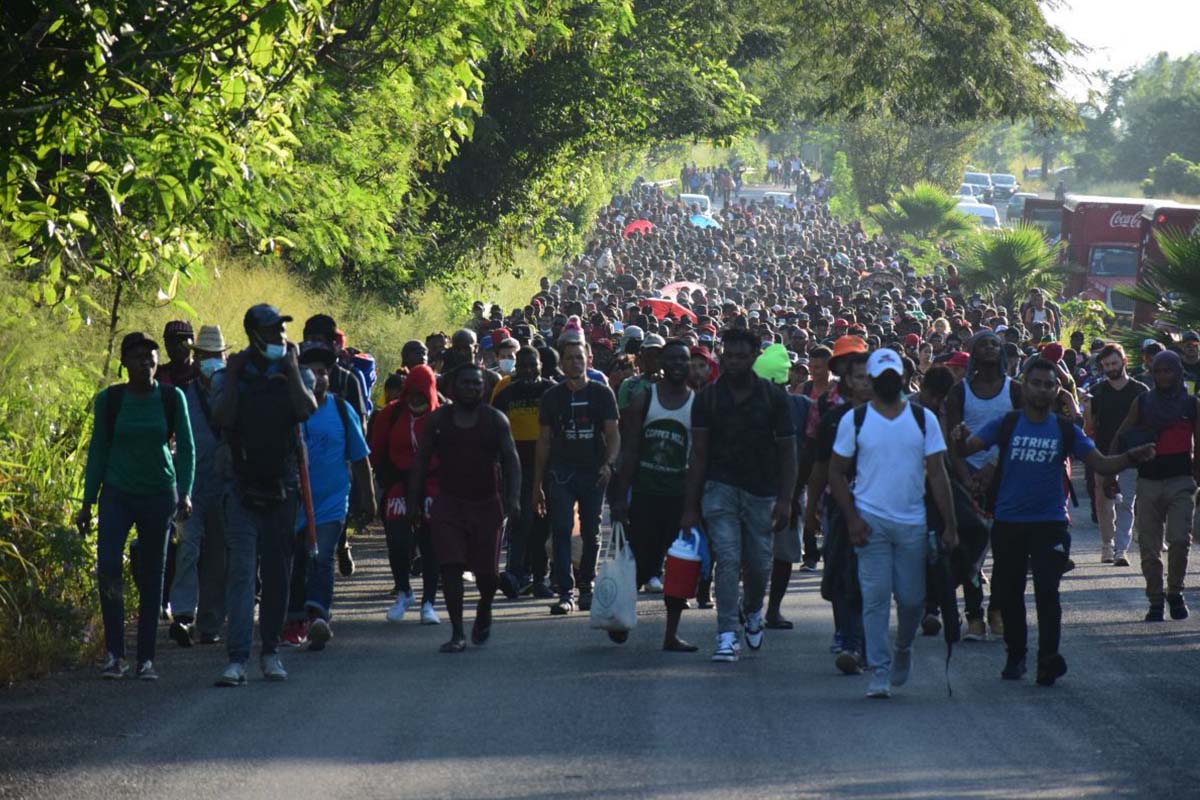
x=1008 y=262
x=923 y=212
x=1172 y=288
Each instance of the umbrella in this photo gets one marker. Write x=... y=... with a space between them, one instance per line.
x=642 y=226
x=672 y=290
x=701 y=221
x=660 y=309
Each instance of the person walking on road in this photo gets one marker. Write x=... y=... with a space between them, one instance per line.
x=897 y=447
x=1166 y=486
x=261 y=399
x=1109 y=401
x=1031 y=529
x=740 y=481
x=474 y=448
x=144 y=486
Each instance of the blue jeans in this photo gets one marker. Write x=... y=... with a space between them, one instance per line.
x=119 y=512
x=739 y=534
x=258 y=541
x=892 y=561
x=312 y=584
x=568 y=487
x=198 y=590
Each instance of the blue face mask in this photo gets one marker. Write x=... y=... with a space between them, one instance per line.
x=274 y=352
x=210 y=365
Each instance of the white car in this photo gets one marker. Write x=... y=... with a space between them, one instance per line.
x=780 y=199
x=987 y=216
x=699 y=200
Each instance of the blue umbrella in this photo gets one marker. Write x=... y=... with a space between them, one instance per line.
x=701 y=221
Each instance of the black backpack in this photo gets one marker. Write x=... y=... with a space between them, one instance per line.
x=860 y=416
x=115 y=394
x=264 y=441
x=1066 y=441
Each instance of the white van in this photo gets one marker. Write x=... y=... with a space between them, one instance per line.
x=987 y=216
x=699 y=200
x=780 y=199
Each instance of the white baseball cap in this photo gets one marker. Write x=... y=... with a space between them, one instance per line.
x=882 y=360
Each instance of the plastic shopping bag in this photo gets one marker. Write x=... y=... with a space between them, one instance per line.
x=614 y=597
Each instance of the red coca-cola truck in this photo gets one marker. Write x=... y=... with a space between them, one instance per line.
x=1155 y=216
x=1102 y=236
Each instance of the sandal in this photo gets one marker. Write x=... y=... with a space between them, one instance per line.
x=679 y=646
x=453 y=646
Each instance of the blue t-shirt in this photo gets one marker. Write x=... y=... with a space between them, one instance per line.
x=328 y=466
x=1031 y=483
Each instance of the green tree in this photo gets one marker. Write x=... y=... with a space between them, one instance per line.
x=1009 y=262
x=922 y=213
x=843 y=203
x=1172 y=286
x=1175 y=175
x=887 y=153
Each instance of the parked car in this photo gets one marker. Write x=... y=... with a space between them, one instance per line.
x=1016 y=204
x=982 y=183
x=1004 y=186
x=986 y=215
x=699 y=200
x=966 y=192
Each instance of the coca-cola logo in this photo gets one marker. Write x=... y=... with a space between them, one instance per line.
x=1123 y=219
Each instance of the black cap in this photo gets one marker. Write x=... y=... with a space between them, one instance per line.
x=134 y=340
x=1191 y=336
x=317 y=353
x=263 y=315
x=320 y=325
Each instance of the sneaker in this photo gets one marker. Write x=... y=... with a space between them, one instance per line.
x=147 y=672
x=508 y=585
x=585 y=601
x=726 y=651
x=931 y=625
x=654 y=586
x=1121 y=560
x=1179 y=609
x=468 y=576
x=114 y=668
x=1051 y=669
x=180 y=633
x=848 y=662
x=996 y=622
x=1106 y=555
x=976 y=631
x=541 y=590
x=400 y=607
x=808 y=566
x=564 y=606
x=1014 y=669
x=836 y=646
x=429 y=615
x=345 y=561
x=1155 y=614
x=319 y=633
x=295 y=633
x=210 y=638
x=525 y=587
x=901 y=666
x=272 y=668
x=754 y=630
x=880 y=688
x=234 y=675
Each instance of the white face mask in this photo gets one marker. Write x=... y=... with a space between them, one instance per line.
x=210 y=365
x=506 y=365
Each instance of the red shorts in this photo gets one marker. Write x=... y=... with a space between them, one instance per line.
x=466 y=532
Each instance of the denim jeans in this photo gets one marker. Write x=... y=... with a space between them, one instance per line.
x=312 y=584
x=739 y=535
x=119 y=512
x=1115 y=514
x=198 y=590
x=257 y=541
x=568 y=487
x=892 y=561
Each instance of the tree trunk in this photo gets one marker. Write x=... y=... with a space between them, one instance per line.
x=113 y=319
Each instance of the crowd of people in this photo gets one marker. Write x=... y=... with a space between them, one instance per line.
x=766 y=374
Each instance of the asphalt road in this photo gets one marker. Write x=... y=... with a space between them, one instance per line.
x=551 y=709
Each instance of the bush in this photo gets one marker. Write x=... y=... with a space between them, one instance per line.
x=1176 y=175
x=843 y=202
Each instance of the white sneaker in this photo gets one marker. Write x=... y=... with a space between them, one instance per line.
x=468 y=576
x=272 y=668
x=429 y=615
x=400 y=607
x=754 y=630
x=234 y=675
x=726 y=650
x=654 y=586
x=880 y=687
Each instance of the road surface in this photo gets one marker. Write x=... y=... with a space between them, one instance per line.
x=550 y=709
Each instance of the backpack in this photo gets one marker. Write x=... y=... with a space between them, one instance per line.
x=1066 y=441
x=115 y=394
x=263 y=442
x=363 y=367
x=860 y=416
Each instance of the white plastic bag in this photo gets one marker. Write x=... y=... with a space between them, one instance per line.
x=614 y=597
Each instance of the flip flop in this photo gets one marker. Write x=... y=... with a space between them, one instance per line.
x=453 y=646
x=679 y=646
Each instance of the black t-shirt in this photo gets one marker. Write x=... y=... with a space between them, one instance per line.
x=520 y=401
x=1191 y=377
x=1109 y=407
x=743 y=437
x=577 y=419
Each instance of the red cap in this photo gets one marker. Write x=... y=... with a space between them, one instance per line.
x=499 y=335
x=841 y=323
x=959 y=359
x=912 y=340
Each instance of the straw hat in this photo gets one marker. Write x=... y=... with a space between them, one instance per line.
x=210 y=340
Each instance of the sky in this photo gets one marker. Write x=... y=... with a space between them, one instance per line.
x=1124 y=33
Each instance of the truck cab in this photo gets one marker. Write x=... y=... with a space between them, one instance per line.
x=1155 y=217
x=1044 y=213
x=1102 y=236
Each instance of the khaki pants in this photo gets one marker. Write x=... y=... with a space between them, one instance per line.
x=1164 y=507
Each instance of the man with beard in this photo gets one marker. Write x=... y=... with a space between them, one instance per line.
x=741 y=475
x=895 y=447
x=1189 y=353
x=986 y=394
x=1166 y=486
x=1108 y=406
x=656 y=442
x=473 y=445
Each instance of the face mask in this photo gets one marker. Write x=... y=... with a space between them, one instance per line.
x=210 y=365
x=506 y=365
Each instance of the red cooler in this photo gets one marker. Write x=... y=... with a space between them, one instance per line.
x=683 y=566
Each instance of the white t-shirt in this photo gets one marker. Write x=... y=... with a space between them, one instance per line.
x=890 y=475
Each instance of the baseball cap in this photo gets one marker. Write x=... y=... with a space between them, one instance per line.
x=134 y=340
x=883 y=360
x=1147 y=342
x=653 y=340
x=1191 y=336
x=264 y=315
x=634 y=332
x=321 y=325
x=179 y=327
x=959 y=359
x=912 y=340
x=317 y=353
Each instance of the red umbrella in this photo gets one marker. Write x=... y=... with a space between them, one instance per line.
x=673 y=289
x=642 y=226
x=661 y=308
